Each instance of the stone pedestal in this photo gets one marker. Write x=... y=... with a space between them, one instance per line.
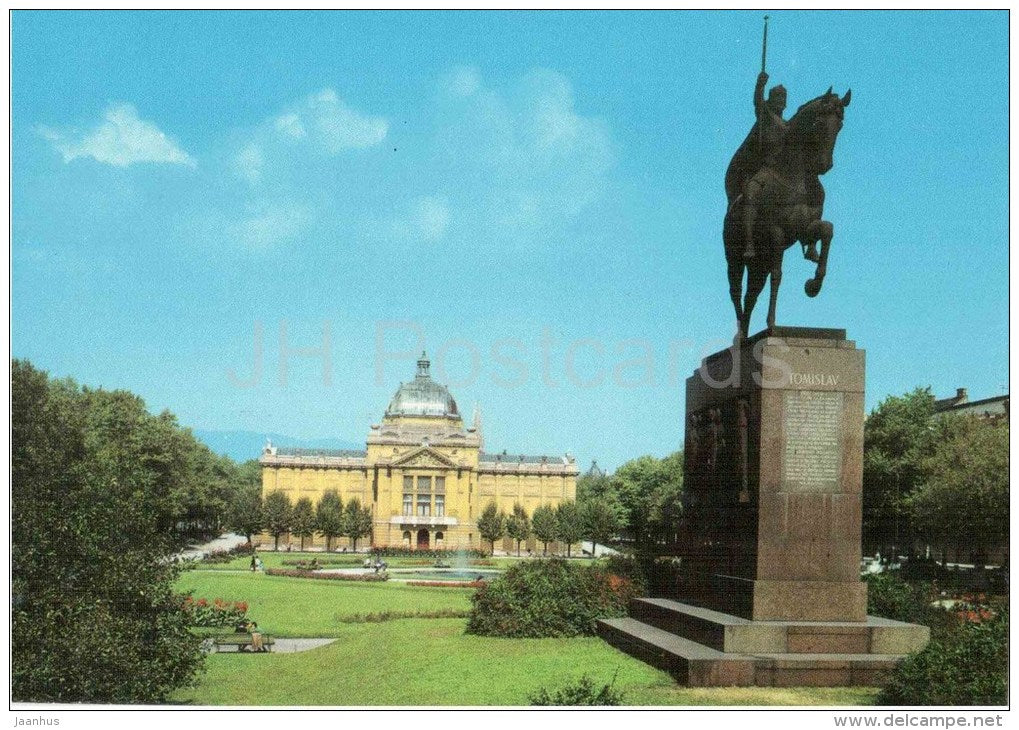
x=770 y=591
x=773 y=475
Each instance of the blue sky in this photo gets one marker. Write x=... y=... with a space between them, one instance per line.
x=535 y=198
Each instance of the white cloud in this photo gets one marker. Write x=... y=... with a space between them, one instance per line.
x=430 y=216
x=318 y=125
x=537 y=158
x=336 y=126
x=291 y=126
x=463 y=81
x=120 y=139
x=268 y=222
x=249 y=161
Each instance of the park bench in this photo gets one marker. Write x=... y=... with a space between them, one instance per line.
x=242 y=642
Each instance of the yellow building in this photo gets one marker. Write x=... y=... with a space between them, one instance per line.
x=423 y=473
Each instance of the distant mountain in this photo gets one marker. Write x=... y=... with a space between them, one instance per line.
x=244 y=445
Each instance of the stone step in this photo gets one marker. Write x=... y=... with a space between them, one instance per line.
x=734 y=634
x=692 y=664
x=697 y=665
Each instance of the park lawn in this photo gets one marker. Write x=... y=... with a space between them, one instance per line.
x=433 y=662
x=308 y=607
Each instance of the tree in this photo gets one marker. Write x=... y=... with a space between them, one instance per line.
x=492 y=524
x=303 y=521
x=964 y=500
x=899 y=437
x=97 y=489
x=357 y=521
x=599 y=522
x=329 y=516
x=244 y=513
x=518 y=525
x=543 y=522
x=277 y=515
x=569 y=528
x=650 y=491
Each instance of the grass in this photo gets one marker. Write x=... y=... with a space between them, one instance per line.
x=432 y=662
x=424 y=661
x=297 y=607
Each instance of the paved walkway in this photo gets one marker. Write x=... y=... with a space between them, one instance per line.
x=291 y=646
x=223 y=542
x=284 y=646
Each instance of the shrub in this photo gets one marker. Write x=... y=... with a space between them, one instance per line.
x=357 y=577
x=382 y=616
x=891 y=597
x=217 y=613
x=964 y=666
x=581 y=692
x=548 y=598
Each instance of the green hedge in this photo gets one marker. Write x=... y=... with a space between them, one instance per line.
x=548 y=598
x=964 y=666
x=359 y=577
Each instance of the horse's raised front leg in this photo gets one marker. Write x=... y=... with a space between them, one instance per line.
x=822 y=231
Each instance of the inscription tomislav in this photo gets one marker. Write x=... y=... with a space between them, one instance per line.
x=813 y=429
x=813 y=379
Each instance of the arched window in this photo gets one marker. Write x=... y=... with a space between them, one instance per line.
x=406 y=538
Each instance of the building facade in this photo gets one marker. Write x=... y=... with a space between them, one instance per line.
x=424 y=474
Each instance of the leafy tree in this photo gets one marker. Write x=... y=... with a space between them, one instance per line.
x=357 y=521
x=244 y=512
x=98 y=487
x=492 y=524
x=277 y=514
x=964 y=500
x=304 y=519
x=543 y=522
x=518 y=525
x=899 y=438
x=649 y=491
x=599 y=522
x=329 y=516
x=569 y=528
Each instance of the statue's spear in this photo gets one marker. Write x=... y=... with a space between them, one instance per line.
x=764 y=58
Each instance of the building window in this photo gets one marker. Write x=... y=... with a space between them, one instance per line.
x=424 y=485
x=440 y=505
x=408 y=484
x=424 y=505
x=440 y=485
x=408 y=504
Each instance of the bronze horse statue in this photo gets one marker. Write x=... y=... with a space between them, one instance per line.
x=786 y=208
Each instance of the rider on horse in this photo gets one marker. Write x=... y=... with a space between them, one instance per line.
x=760 y=150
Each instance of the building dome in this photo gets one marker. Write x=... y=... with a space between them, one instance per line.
x=422 y=396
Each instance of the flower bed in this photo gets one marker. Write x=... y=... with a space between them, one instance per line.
x=319 y=562
x=218 y=613
x=447 y=583
x=403 y=552
x=360 y=577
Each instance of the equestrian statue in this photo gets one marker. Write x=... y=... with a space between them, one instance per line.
x=775 y=195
